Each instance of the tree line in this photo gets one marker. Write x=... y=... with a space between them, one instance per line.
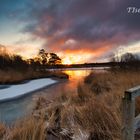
x=16 y=62
x=45 y=60
x=127 y=61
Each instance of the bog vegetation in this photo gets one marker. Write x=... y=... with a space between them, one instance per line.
x=94 y=112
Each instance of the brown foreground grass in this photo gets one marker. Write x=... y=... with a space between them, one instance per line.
x=93 y=113
x=11 y=76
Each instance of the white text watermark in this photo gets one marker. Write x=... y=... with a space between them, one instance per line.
x=133 y=10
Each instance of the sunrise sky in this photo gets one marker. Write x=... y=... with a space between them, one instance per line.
x=79 y=31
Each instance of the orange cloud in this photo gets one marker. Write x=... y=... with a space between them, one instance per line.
x=72 y=51
x=82 y=56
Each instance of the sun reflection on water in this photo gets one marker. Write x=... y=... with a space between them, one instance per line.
x=77 y=74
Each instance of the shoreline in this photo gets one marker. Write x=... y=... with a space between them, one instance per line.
x=19 y=89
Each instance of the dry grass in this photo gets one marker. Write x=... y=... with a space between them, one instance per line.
x=12 y=76
x=96 y=108
x=27 y=129
x=2 y=130
x=93 y=113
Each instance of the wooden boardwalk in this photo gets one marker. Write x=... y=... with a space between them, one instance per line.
x=128 y=113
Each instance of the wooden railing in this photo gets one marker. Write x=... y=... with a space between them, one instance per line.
x=128 y=113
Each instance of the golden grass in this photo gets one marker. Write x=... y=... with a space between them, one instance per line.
x=96 y=108
x=2 y=130
x=12 y=76
x=27 y=129
x=93 y=113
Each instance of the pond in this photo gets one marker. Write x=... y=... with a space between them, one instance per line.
x=16 y=109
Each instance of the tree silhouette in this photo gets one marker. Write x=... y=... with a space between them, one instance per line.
x=12 y=62
x=127 y=61
x=48 y=58
x=43 y=56
x=128 y=57
x=54 y=59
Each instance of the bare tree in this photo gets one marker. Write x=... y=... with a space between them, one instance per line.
x=128 y=57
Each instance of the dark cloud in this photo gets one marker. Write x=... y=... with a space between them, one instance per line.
x=89 y=22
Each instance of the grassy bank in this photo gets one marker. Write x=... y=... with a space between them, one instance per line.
x=15 y=69
x=11 y=76
x=93 y=113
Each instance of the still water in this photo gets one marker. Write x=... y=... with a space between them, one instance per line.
x=19 y=108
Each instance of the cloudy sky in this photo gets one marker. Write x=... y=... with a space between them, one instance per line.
x=77 y=30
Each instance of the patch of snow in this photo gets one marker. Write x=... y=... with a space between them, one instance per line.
x=19 y=90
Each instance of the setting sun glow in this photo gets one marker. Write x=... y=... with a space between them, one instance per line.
x=72 y=60
x=67 y=61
